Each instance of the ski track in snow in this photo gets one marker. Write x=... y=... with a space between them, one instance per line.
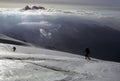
x=70 y=74
x=64 y=67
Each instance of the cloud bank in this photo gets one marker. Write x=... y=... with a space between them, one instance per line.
x=87 y=2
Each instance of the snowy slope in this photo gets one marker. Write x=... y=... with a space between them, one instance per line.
x=69 y=30
x=33 y=64
x=9 y=40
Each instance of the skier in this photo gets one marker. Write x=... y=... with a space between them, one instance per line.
x=87 y=53
x=14 y=49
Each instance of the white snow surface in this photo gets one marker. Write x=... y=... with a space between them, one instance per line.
x=37 y=64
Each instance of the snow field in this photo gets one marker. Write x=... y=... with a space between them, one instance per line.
x=34 y=64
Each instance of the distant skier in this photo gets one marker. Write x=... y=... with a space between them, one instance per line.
x=14 y=49
x=87 y=53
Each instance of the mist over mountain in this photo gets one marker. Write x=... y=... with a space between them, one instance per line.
x=63 y=31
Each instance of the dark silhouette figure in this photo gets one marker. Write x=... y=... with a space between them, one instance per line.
x=87 y=53
x=14 y=49
x=27 y=8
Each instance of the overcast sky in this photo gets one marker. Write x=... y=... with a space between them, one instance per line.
x=88 y=2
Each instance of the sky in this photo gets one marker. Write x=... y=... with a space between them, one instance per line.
x=77 y=2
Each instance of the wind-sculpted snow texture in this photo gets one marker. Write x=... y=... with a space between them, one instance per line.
x=47 y=65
